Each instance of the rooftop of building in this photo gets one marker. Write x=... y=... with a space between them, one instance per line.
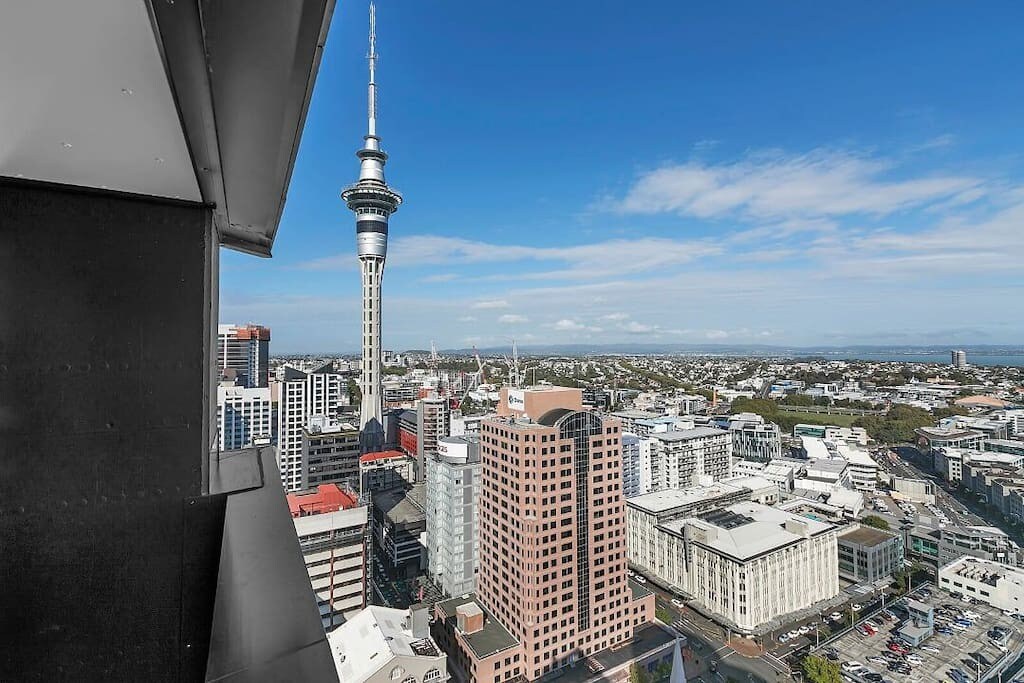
x=750 y=481
x=324 y=498
x=866 y=536
x=467 y=439
x=492 y=638
x=984 y=571
x=402 y=505
x=854 y=455
x=745 y=530
x=382 y=455
x=639 y=592
x=670 y=499
x=365 y=643
x=938 y=433
x=687 y=434
x=834 y=466
x=645 y=641
x=983 y=401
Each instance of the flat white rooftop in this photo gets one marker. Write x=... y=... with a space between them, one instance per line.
x=669 y=499
x=751 y=530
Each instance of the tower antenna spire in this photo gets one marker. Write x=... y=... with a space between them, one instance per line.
x=371 y=57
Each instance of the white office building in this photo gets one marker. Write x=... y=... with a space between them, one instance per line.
x=993 y=583
x=303 y=396
x=244 y=416
x=452 y=491
x=748 y=564
x=862 y=467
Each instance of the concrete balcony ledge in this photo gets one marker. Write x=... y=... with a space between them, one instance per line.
x=266 y=624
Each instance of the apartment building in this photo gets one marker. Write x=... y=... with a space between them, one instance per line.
x=678 y=458
x=244 y=417
x=332 y=526
x=303 y=395
x=755 y=439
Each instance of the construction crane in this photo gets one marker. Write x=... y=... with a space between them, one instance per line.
x=515 y=378
x=476 y=379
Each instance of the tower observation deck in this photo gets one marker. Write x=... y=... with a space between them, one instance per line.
x=373 y=203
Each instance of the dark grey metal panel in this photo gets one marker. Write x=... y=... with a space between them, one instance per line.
x=266 y=622
x=104 y=314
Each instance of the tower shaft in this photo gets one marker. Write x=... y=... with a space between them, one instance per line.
x=371 y=422
x=373 y=202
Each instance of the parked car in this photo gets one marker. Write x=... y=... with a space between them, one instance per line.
x=835 y=616
x=914 y=660
x=639 y=579
x=804 y=630
x=678 y=603
x=852 y=666
x=783 y=638
x=857 y=607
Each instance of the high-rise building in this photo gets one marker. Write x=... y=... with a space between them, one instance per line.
x=333 y=529
x=244 y=417
x=243 y=354
x=552 y=538
x=433 y=421
x=453 y=489
x=958 y=359
x=373 y=203
x=303 y=396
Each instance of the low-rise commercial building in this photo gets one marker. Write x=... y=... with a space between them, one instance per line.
x=385 y=470
x=913 y=490
x=400 y=530
x=931 y=438
x=936 y=547
x=384 y=645
x=867 y=554
x=993 y=583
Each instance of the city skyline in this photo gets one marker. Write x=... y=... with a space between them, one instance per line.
x=801 y=169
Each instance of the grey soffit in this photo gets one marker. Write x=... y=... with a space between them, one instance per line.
x=198 y=100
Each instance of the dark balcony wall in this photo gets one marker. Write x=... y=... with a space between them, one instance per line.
x=108 y=553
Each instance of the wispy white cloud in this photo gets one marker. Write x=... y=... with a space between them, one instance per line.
x=440 y=277
x=781 y=186
x=586 y=261
x=489 y=303
x=513 y=319
x=615 y=316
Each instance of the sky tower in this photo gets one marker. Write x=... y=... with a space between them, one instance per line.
x=373 y=202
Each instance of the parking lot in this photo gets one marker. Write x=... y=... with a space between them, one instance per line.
x=969 y=650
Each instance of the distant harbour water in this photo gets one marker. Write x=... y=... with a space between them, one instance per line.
x=940 y=358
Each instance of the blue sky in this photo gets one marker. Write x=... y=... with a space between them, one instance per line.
x=794 y=173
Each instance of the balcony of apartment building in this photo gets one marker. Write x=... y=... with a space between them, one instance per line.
x=138 y=138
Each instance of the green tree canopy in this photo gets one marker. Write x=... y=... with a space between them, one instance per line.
x=875 y=521
x=820 y=670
